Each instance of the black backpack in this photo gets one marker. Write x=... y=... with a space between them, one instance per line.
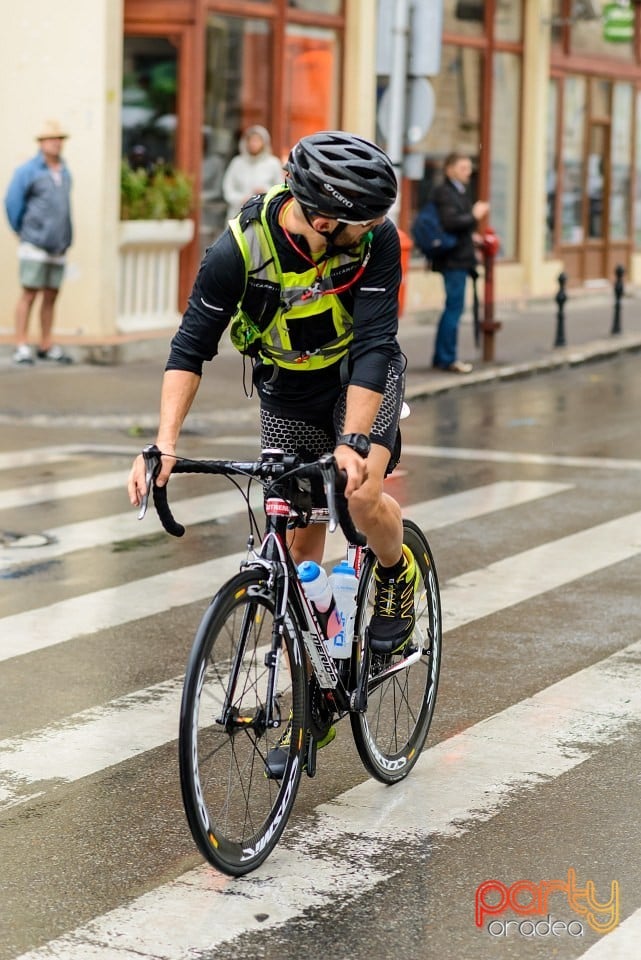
x=428 y=233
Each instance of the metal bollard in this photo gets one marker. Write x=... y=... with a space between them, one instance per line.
x=618 y=294
x=560 y=298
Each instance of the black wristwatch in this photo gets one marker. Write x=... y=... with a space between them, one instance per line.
x=357 y=441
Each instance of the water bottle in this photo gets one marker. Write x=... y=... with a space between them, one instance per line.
x=317 y=589
x=344 y=584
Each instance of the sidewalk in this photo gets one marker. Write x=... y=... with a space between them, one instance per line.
x=525 y=343
x=126 y=393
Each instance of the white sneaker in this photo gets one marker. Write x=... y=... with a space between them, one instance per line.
x=56 y=354
x=23 y=354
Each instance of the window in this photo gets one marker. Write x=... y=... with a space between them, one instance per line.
x=591 y=37
x=637 y=190
x=457 y=93
x=550 y=167
x=507 y=20
x=317 y=6
x=477 y=108
x=505 y=150
x=464 y=17
x=311 y=82
x=238 y=94
x=149 y=87
x=621 y=160
x=572 y=150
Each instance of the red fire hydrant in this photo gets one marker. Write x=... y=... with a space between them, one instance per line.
x=490 y=246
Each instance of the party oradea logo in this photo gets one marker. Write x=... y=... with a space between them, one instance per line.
x=533 y=903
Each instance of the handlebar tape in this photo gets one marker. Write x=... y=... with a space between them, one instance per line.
x=164 y=512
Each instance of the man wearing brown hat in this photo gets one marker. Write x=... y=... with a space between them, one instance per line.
x=38 y=208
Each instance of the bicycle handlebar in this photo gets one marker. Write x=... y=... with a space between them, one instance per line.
x=266 y=468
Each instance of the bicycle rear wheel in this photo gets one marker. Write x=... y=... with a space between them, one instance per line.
x=235 y=812
x=390 y=735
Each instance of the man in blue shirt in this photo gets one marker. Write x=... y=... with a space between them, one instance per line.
x=38 y=208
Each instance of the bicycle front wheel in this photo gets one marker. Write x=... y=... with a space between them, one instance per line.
x=235 y=810
x=401 y=690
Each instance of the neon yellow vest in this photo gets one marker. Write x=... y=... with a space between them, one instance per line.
x=302 y=296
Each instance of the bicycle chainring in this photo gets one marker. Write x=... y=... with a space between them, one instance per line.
x=320 y=713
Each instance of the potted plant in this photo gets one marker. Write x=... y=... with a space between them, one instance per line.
x=161 y=193
x=154 y=226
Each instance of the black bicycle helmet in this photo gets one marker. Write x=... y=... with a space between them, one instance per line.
x=341 y=176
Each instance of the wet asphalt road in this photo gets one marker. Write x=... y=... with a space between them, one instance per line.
x=79 y=841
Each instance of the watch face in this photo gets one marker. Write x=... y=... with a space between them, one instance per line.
x=357 y=441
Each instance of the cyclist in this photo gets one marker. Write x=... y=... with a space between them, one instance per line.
x=308 y=277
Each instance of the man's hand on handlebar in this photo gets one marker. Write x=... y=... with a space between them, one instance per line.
x=138 y=481
x=354 y=466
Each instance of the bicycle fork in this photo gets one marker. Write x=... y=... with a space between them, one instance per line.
x=267 y=713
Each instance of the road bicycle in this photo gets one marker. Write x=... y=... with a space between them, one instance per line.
x=259 y=662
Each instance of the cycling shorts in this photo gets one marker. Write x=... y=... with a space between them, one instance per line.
x=311 y=436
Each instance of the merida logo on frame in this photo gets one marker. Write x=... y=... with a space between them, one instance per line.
x=526 y=898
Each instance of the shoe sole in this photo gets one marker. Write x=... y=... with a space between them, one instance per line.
x=323 y=742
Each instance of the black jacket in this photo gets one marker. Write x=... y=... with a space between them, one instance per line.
x=455 y=212
x=372 y=302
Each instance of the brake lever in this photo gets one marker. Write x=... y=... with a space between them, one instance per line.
x=327 y=466
x=151 y=454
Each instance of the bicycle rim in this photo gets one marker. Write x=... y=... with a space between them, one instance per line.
x=235 y=812
x=390 y=735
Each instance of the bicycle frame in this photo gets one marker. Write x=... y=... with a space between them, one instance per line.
x=273 y=554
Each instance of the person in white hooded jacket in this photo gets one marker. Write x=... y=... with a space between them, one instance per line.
x=253 y=170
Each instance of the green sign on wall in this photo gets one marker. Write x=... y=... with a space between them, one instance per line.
x=618 y=23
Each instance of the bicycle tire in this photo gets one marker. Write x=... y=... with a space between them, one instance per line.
x=390 y=734
x=236 y=814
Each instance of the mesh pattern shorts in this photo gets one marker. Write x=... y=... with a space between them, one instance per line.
x=289 y=432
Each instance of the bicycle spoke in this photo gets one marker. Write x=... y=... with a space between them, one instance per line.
x=402 y=689
x=236 y=812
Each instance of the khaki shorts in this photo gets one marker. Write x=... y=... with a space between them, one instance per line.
x=35 y=275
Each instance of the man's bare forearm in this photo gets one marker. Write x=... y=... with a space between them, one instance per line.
x=361 y=409
x=179 y=387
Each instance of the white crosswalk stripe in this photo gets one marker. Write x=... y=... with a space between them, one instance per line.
x=152 y=713
x=58 y=490
x=34 y=629
x=467 y=779
x=123 y=526
x=91 y=533
x=510 y=456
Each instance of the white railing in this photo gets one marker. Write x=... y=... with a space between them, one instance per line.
x=148 y=272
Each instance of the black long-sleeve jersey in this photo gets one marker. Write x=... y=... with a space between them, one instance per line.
x=372 y=302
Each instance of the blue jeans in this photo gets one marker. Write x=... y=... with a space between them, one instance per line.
x=447 y=332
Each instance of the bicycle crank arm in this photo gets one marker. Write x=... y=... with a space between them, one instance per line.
x=310 y=762
x=358 y=698
x=393 y=668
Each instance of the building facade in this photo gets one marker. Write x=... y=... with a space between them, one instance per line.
x=544 y=95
